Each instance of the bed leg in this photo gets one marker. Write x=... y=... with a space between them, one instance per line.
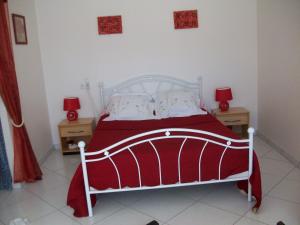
x=81 y=146
x=89 y=205
x=249 y=191
x=251 y=133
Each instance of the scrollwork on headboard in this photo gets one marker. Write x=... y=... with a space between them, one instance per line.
x=149 y=84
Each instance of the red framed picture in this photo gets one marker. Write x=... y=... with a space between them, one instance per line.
x=19 y=29
x=109 y=25
x=186 y=19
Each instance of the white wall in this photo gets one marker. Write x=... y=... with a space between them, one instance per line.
x=223 y=50
x=279 y=73
x=31 y=80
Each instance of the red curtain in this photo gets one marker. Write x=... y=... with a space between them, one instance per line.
x=26 y=167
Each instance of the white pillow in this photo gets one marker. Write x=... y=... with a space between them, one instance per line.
x=178 y=103
x=130 y=107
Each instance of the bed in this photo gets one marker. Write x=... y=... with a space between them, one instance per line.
x=176 y=149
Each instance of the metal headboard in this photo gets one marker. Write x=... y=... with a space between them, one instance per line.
x=149 y=84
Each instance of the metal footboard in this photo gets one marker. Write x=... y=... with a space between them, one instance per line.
x=161 y=134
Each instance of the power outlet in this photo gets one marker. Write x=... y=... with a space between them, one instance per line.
x=85 y=85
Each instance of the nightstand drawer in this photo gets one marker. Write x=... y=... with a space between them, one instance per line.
x=234 y=120
x=74 y=131
x=235 y=116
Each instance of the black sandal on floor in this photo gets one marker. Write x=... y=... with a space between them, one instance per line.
x=154 y=222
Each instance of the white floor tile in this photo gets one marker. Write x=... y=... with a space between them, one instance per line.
x=287 y=190
x=3 y=194
x=103 y=208
x=228 y=197
x=56 y=218
x=67 y=170
x=202 y=214
x=56 y=197
x=260 y=147
x=273 y=210
x=127 y=217
x=247 y=221
x=130 y=197
x=162 y=205
x=57 y=161
x=53 y=162
x=13 y=197
x=71 y=158
x=32 y=208
x=50 y=180
x=294 y=175
x=269 y=181
x=276 y=156
x=275 y=167
x=196 y=192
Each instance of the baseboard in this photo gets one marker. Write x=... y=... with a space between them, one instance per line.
x=44 y=158
x=18 y=185
x=56 y=147
x=280 y=150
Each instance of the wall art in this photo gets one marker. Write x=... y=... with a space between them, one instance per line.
x=19 y=29
x=186 y=19
x=109 y=25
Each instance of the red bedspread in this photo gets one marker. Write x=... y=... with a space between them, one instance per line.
x=102 y=174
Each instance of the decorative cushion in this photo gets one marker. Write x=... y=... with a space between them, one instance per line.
x=130 y=107
x=178 y=103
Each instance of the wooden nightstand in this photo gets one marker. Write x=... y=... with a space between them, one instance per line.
x=235 y=116
x=71 y=132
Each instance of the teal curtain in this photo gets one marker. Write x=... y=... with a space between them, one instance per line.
x=5 y=176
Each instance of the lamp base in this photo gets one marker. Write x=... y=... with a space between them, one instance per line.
x=72 y=115
x=224 y=106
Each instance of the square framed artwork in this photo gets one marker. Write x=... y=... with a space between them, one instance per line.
x=186 y=19
x=109 y=25
x=19 y=26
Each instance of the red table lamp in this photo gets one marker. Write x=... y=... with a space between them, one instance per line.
x=71 y=104
x=223 y=95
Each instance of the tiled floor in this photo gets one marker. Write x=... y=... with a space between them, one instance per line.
x=44 y=202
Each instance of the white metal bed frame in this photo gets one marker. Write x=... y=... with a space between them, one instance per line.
x=149 y=84
x=160 y=134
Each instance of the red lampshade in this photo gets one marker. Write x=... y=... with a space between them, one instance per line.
x=71 y=103
x=223 y=94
